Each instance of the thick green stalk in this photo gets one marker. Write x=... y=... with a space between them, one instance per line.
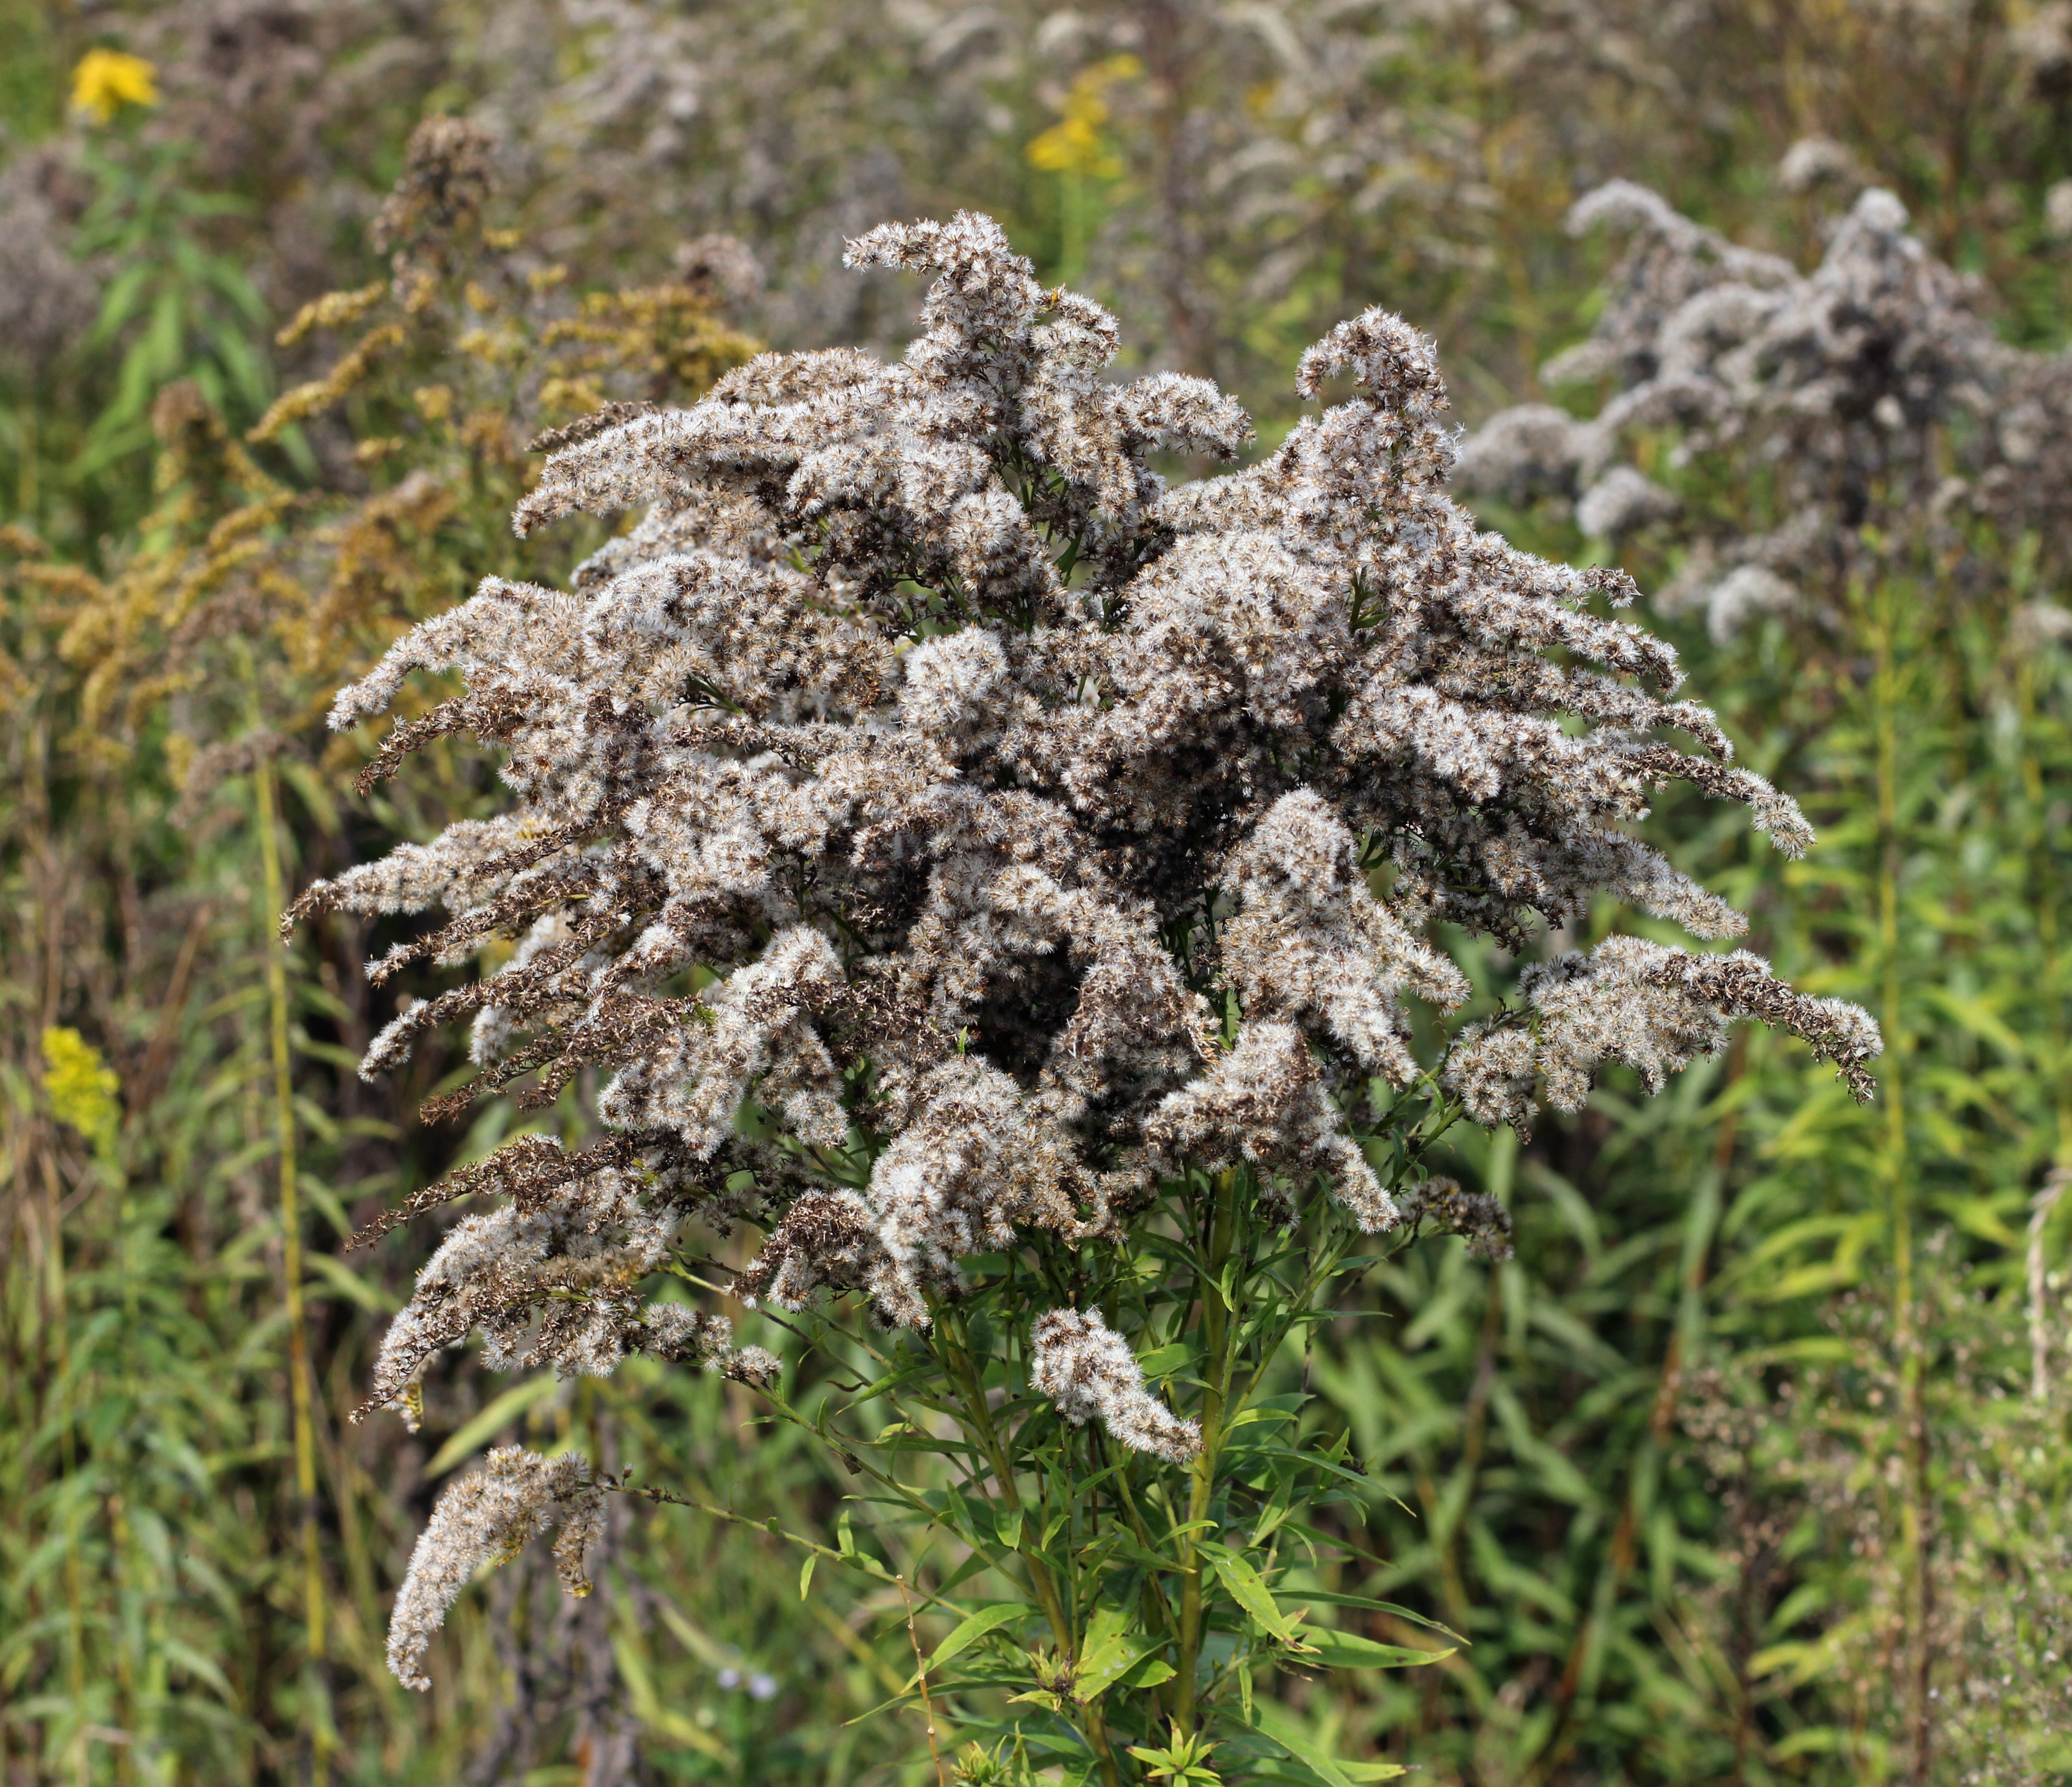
x=291 y=1261
x=36 y=790
x=1217 y=1330
x=67 y=1458
x=980 y=1417
x=1158 y=1611
x=121 y=1564
x=1919 y=1605
x=1040 y=1582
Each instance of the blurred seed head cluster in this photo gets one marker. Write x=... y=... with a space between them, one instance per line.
x=1872 y=398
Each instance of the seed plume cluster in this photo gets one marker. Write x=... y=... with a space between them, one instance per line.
x=1087 y=1369
x=1872 y=391
x=486 y=1517
x=1480 y=1219
x=933 y=828
x=1653 y=1008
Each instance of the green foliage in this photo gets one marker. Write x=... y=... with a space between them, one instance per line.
x=1657 y=1468
x=153 y=1585
x=174 y=308
x=1143 y=1598
x=1183 y=1759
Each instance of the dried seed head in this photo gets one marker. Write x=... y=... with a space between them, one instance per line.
x=486 y=1517
x=970 y=759
x=1087 y=1369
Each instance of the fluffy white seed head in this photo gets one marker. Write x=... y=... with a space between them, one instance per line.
x=1088 y=1371
x=976 y=764
x=1873 y=397
x=486 y=1518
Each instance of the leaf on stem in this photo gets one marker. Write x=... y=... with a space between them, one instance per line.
x=1337 y=1649
x=1275 y=1722
x=1108 y=1652
x=987 y=1619
x=1245 y=1586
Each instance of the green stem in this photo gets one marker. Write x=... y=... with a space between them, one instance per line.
x=1323 y=1261
x=980 y=1417
x=36 y=792
x=60 y=1340
x=1217 y=1330
x=921 y=1676
x=854 y=1560
x=1041 y=1583
x=291 y=1261
x=1155 y=1597
x=1918 y=1606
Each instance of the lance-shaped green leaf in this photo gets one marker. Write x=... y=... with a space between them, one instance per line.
x=1274 y=1721
x=1349 y=1650
x=1248 y=1589
x=1108 y=1652
x=970 y=1630
x=1330 y=1598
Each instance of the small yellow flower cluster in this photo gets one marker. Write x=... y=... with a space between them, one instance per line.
x=1073 y=144
x=106 y=80
x=81 y=1087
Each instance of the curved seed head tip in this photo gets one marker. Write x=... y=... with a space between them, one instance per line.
x=1087 y=1369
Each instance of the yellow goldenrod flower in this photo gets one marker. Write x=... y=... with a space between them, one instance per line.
x=1073 y=144
x=106 y=80
x=81 y=1087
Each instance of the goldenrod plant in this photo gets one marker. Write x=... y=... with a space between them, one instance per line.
x=1848 y=480
x=998 y=879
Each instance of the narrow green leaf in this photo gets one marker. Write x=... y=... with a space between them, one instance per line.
x=202 y=1668
x=972 y=1628
x=1119 y=1661
x=1163 y=1361
x=1107 y=1652
x=1349 y=1650
x=1248 y=1590
x=1276 y=1722
x=1329 y=1598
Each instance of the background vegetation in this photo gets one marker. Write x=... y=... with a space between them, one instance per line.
x=1752 y=1465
